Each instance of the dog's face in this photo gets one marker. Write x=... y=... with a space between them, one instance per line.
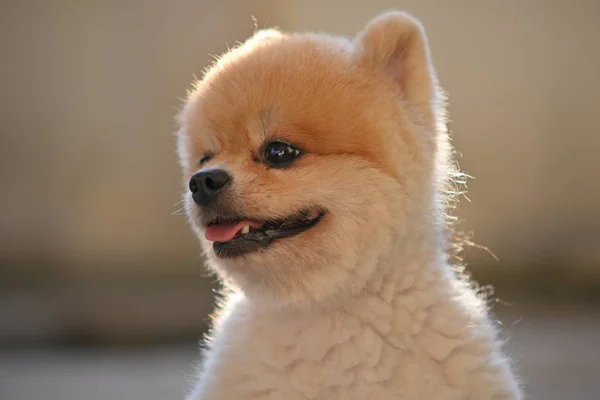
x=303 y=156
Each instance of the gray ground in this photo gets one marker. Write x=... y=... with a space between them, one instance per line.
x=558 y=357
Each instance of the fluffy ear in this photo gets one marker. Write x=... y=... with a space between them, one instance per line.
x=260 y=38
x=396 y=43
x=265 y=35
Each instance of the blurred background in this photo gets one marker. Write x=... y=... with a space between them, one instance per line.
x=102 y=291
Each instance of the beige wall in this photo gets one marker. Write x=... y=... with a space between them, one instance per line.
x=89 y=90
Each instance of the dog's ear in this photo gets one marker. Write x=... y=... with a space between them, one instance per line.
x=260 y=38
x=265 y=35
x=396 y=43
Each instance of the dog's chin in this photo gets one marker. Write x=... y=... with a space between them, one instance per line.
x=245 y=236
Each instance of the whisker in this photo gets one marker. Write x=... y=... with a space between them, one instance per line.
x=179 y=211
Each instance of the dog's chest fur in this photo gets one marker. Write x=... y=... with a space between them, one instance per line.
x=406 y=341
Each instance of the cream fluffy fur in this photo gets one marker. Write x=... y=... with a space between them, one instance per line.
x=365 y=305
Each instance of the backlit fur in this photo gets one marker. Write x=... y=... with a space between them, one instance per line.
x=364 y=305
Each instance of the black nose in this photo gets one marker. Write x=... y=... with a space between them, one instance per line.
x=206 y=185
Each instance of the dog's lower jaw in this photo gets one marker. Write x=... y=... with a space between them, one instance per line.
x=415 y=331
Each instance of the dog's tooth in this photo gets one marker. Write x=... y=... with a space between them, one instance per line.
x=245 y=229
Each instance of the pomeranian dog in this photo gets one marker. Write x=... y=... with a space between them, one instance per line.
x=318 y=174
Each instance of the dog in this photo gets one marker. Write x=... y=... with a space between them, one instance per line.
x=318 y=175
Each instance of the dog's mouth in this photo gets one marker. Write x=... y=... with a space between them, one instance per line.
x=237 y=236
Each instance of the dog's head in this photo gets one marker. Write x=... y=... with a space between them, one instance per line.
x=305 y=156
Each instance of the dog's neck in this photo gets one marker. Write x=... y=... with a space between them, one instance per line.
x=416 y=255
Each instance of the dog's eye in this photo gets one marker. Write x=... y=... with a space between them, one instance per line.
x=281 y=154
x=205 y=158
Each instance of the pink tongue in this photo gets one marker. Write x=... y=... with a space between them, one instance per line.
x=226 y=232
